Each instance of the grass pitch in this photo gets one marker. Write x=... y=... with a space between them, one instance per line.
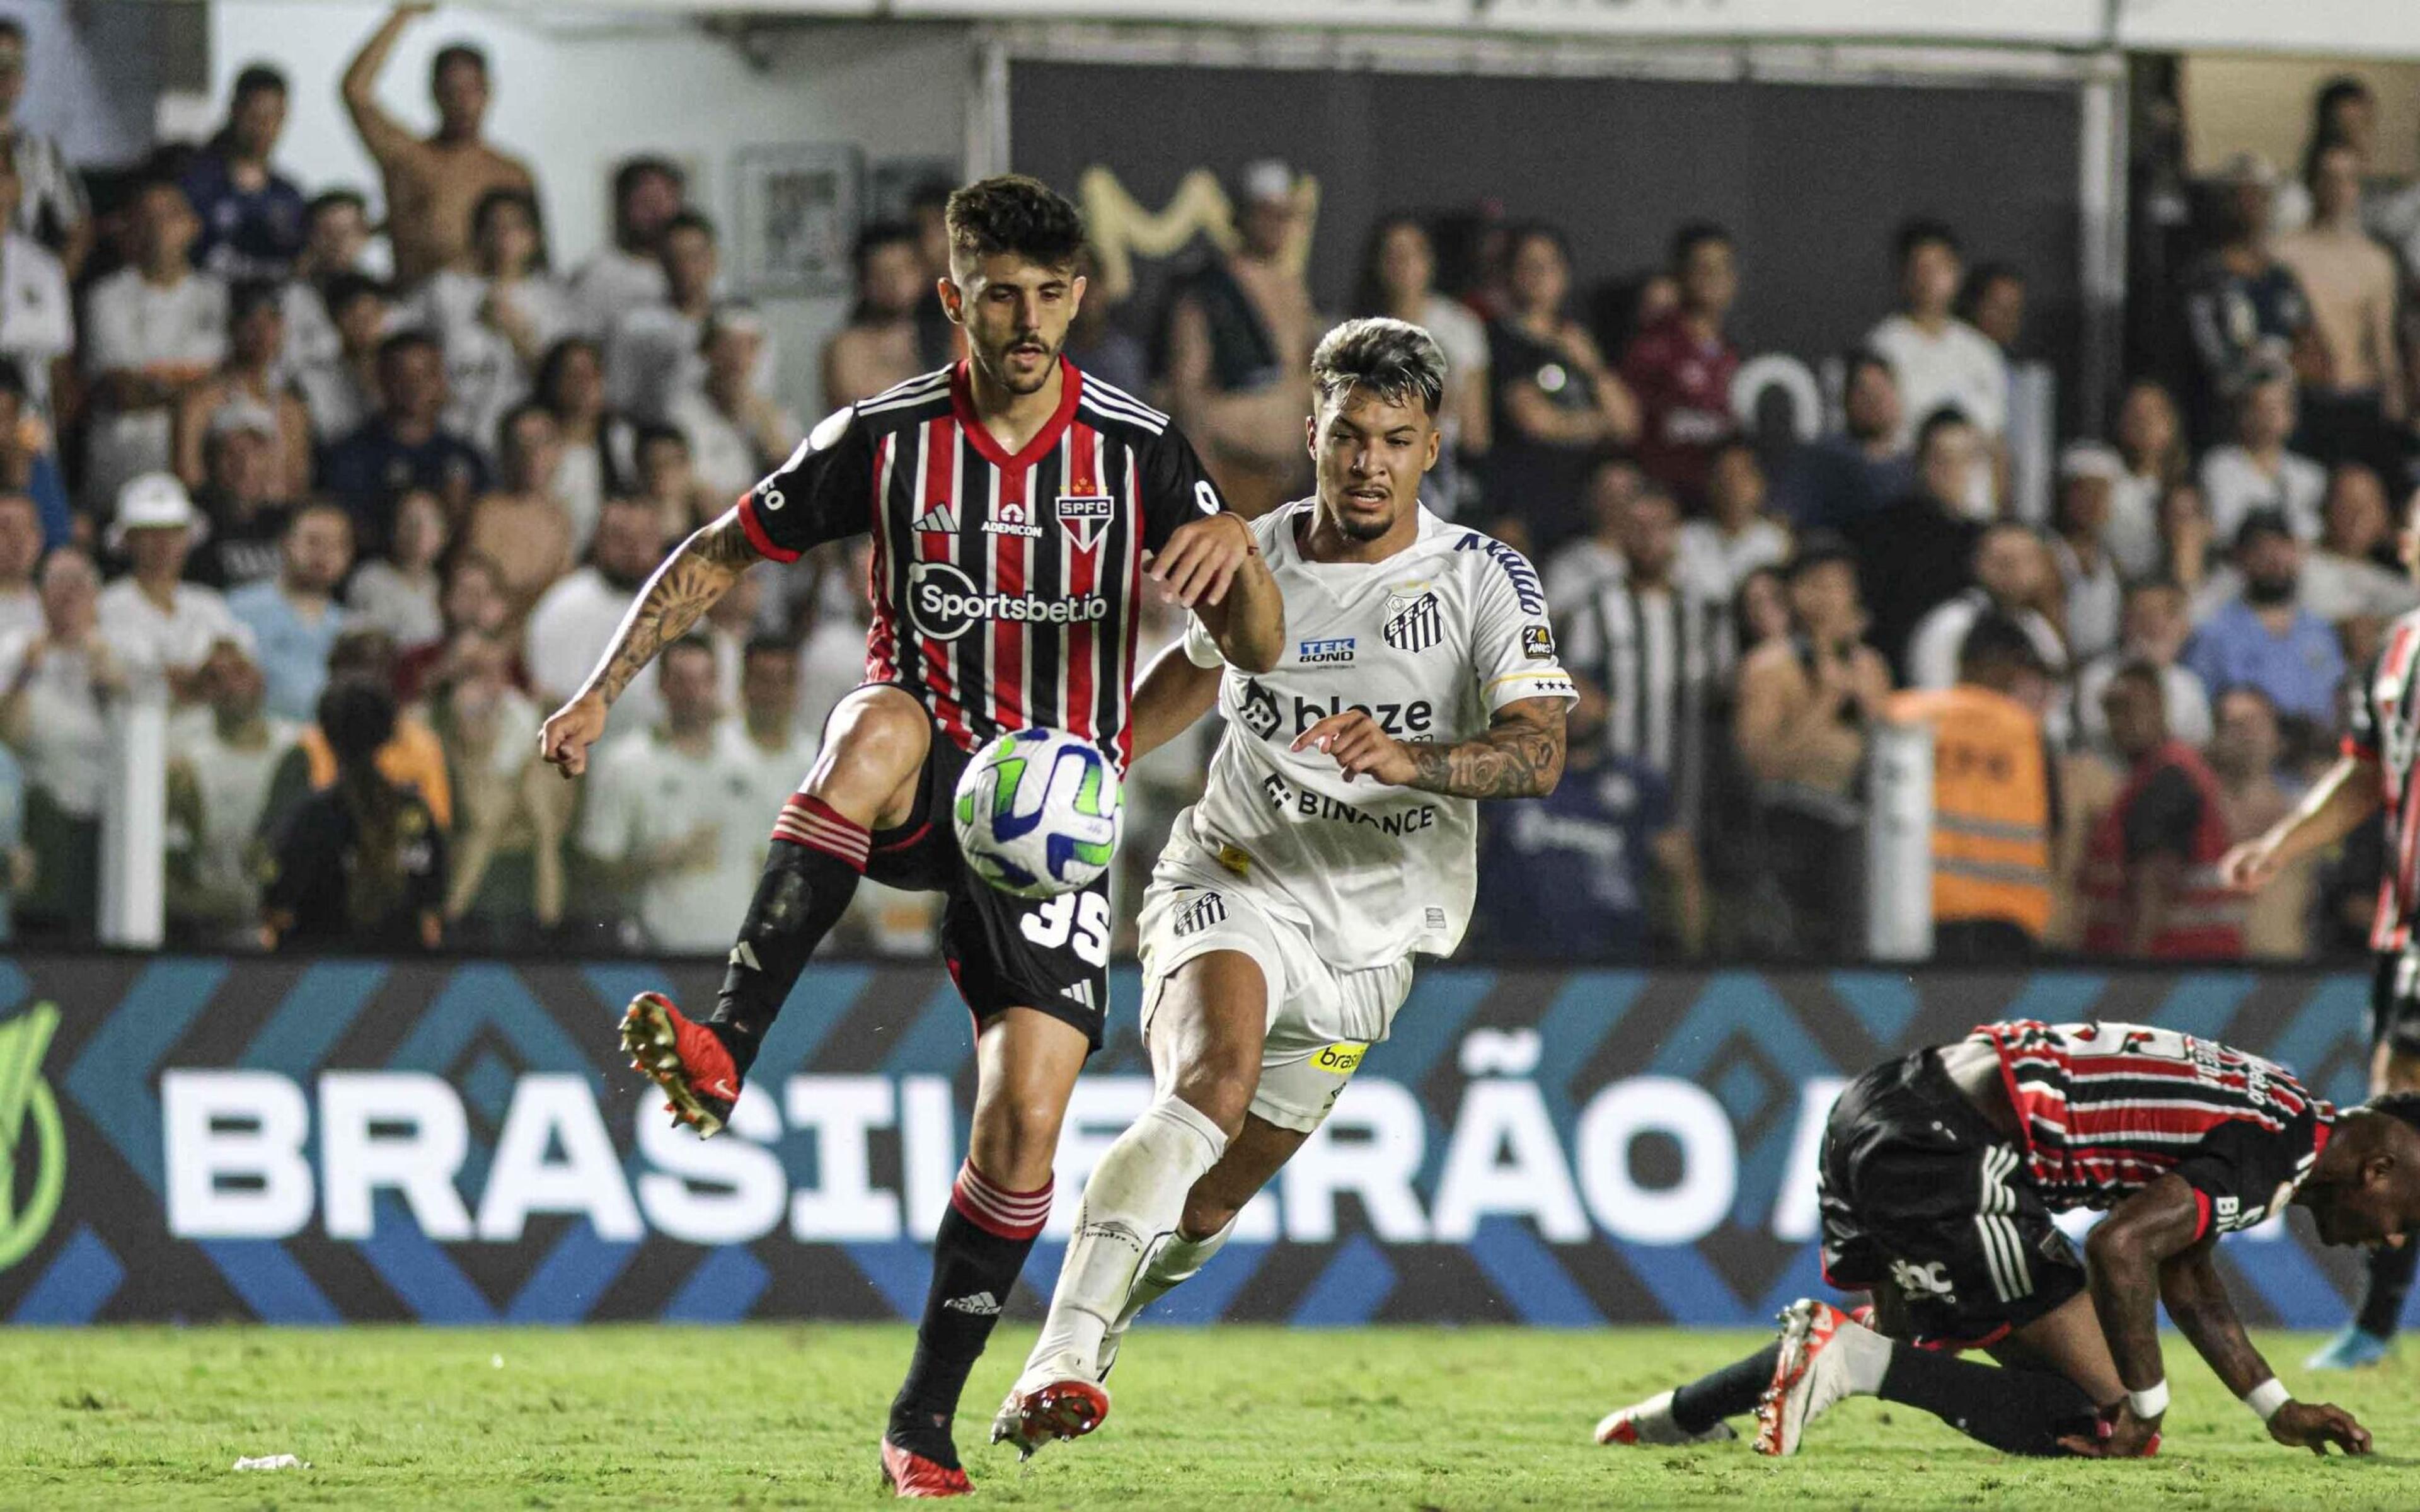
x=1230 y=1418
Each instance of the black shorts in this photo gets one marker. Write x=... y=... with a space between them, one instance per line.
x=1048 y=954
x=1922 y=1194
x=2394 y=1001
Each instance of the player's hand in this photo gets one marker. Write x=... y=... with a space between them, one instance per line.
x=2248 y=866
x=1361 y=747
x=569 y=731
x=1200 y=559
x=2120 y=1435
x=2314 y=1426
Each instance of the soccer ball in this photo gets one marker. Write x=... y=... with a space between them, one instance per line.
x=1038 y=813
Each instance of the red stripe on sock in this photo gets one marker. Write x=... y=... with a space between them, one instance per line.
x=996 y=1209
x=819 y=827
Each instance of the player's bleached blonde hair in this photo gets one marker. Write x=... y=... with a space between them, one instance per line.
x=1393 y=358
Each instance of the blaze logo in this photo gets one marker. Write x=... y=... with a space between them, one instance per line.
x=33 y=1143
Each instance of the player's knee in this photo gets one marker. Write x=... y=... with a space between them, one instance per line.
x=880 y=728
x=1219 y=1087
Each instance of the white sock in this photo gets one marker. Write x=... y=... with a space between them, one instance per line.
x=1867 y=1354
x=1131 y=1203
x=1178 y=1261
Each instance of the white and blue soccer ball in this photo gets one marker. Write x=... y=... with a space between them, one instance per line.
x=1038 y=813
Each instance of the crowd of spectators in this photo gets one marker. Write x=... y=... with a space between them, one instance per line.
x=362 y=497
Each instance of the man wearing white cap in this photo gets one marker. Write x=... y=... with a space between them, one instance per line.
x=1239 y=336
x=2079 y=547
x=159 y=626
x=240 y=498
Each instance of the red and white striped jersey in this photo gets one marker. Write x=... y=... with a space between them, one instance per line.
x=1007 y=591
x=2385 y=728
x=2109 y=1108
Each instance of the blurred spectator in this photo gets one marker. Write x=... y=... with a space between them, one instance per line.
x=776 y=748
x=521 y=526
x=26 y=464
x=241 y=499
x=335 y=240
x=1842 y=477
x=218 y=776
x=2342 y=577
x=629 y=273
x=36 y=314
x=2150 y=443
x=16 y=858
x=938 y=337
x=2242 y=304
x=151 y=329
x=2350 y=407
x=474 y=599
x=50 y=208
x=1804 y=706
x=251 y=379
x=2010 y=571
x=294 y=617
x=831 y=660
x=2245 y=756
x=2342 y=110
x=1399 y=278
x=1735 y=535
x=1941 y=360
x=1569 y=876
x=21 y=552
x=1236 y=350
x=668 y=481
x=599 y=446
x=398 y=592
x=158 y=625
x=494 y=317
x=2185 y=532
x=737 y=434
x=361 y=864
x=1556 y=403
x=432 y=183
x=652 y=354
x=1913 y=553
x=2088 y=473
x=2266 y=638
x=54 y=684
x=406 y=444
x=877 y=348
x=1584 y=562
x=570 y=625
x=1760 y=609
x=1681 y=366
x=1994 y=795
x=1993 y=301
x=673 y=820
x=2256 y=471
x=250 y=214
x=2155 y=630
x=340 y=384
x=513 y=812
x=1097 y=342
x=411 y=758
x=2150 y=882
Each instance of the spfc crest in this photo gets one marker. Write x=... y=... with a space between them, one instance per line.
x=1084 y=516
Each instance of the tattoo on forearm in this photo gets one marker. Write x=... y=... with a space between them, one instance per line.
x=1516 y=759
x=700 y=571
x=2199 y=1305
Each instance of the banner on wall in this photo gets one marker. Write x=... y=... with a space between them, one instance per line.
x=1439 y=14
x=2055 y=22
x=460 y=1142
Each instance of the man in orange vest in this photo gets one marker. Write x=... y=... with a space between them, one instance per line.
x=2152 y=884
x=1995 y=797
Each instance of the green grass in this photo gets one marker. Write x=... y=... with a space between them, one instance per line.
x=1230 y=1418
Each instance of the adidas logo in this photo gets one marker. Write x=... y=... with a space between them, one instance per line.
x=938 y=517
x=1081 y=995
x=982 y=1304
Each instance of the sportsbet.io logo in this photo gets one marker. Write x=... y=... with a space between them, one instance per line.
x=945 y=604
x=33 y=1143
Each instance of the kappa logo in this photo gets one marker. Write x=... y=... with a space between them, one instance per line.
x=1259 y=713
x=1085 y=516
x=1009 y=520
x=33 y=1141
x=1413 y=624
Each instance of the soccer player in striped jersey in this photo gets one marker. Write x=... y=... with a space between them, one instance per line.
x=1017 y=507
x=2376 y=771
x=1940 y=1172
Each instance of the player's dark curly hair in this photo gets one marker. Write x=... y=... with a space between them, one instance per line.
x=1013 y=214
x=1393 y=358
x=2404 y=1106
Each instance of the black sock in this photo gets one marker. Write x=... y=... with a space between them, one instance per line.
x=807 y=884
x=2016 y=1411
x=2389 y=1273
x=1730 y=1392
x=981 y=1247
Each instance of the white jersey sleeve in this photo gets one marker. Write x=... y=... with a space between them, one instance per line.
x=1512 y=639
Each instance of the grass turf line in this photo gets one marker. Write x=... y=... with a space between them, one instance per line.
x=1230 y=1418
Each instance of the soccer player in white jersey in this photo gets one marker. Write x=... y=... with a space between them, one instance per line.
x=1334 y=842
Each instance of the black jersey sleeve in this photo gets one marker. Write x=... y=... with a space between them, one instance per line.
x=1176 y=487
x=824 y=492
x=2242 y=1172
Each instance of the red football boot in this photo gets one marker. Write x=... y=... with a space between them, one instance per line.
x=905 y=1473
x=684 y=1058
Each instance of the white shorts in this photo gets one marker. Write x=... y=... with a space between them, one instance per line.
x=1320 y=1020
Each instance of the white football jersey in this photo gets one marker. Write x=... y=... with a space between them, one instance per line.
x=1431 y=641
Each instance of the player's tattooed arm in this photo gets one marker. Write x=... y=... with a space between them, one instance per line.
x=2198 y=1304
x=1521 y=756
x=698 y=572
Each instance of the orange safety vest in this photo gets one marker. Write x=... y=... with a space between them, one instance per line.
x=2206 y=922
x=1991 y=805
x=413 y=759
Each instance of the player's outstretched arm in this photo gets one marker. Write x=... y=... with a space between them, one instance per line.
x=2334 y=809
x=700 y=571
x=1172 y=693
x=2202 y=1311
x=1521 y=755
